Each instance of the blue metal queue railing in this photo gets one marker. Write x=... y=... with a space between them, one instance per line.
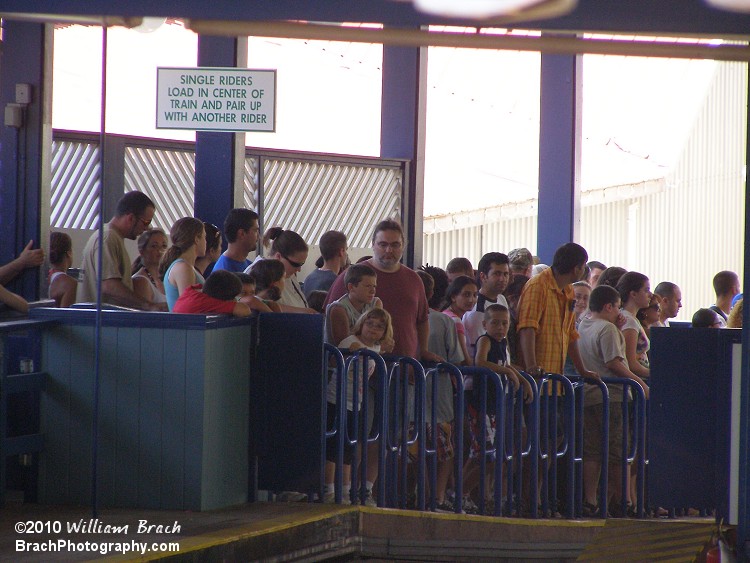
x=530 y=439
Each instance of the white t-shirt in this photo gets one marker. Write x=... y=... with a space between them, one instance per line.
x=473 y=323
x=331 y=390
x=601 y=342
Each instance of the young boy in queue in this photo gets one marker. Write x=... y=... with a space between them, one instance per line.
x=220 y=294
x=602 y=347
x=361 y=282
x=491 y=353
x=248 y=295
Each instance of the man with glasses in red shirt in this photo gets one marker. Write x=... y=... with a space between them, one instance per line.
x=401 y=291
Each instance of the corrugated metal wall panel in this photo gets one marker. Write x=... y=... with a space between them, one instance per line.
x=251 y=182
x=440 y=246
x=75 y=185
x=302 y=194
x=600 y=225
x=685 y=233
x=167 y=177
x=696 y=227
x=313 y=197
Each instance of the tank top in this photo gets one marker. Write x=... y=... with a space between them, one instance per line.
x=351 y=314
x=170 y=290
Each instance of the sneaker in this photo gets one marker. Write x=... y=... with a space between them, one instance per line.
x=291 y=496
x=330 y=498
x=370 y=500
x=589 y=510
x=468 y=505
x=615 y=510
x=411 y=501
x=445 y=506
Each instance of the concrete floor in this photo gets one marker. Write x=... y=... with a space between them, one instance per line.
x=313 y=532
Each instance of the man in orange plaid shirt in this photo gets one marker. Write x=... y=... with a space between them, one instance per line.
x=546 y=323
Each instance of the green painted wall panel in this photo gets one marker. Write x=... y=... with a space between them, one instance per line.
x=173 y=417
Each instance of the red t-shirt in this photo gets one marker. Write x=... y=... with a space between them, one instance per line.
x=402 y=294
x=193 y=300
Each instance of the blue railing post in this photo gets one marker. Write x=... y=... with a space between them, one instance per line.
x=567 y=445
x=481 y=377
x=458 y=415
x=637 y=453
x=432 y=451
x=380 y=417
x=578 y=388
x=411 y=368
x=531 y=450
x=358 y=434
x=604 y=471
x=328 y=352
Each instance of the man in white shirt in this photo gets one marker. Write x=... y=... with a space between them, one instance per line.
x=494 y=277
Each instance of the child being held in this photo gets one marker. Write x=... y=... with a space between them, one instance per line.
x=247 y=295
x=219 y=295
x=371 y=329
x=269 y=279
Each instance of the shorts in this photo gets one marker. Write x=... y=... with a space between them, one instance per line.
x=444 y=444
x=555 y=425
x=592 y=433
x=475 y=429
x=333 y=442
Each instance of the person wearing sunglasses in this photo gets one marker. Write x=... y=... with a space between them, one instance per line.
x=291 y=250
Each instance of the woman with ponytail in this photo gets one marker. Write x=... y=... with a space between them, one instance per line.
x=178 y=264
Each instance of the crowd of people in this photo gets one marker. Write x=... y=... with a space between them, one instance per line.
x=511 y=314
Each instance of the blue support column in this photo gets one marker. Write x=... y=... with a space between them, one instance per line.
x=402 y=133
x=743 y=503
x=22 y=149
x=559 y=153
x=219 y=156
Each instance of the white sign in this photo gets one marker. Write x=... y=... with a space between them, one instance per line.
x=216 y=99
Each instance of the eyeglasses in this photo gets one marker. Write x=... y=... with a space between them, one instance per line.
x=145 y=223
x=292 y=262
x=385 y=245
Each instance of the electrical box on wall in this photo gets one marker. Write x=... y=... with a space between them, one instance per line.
x=14 y=115
x=23 y=94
